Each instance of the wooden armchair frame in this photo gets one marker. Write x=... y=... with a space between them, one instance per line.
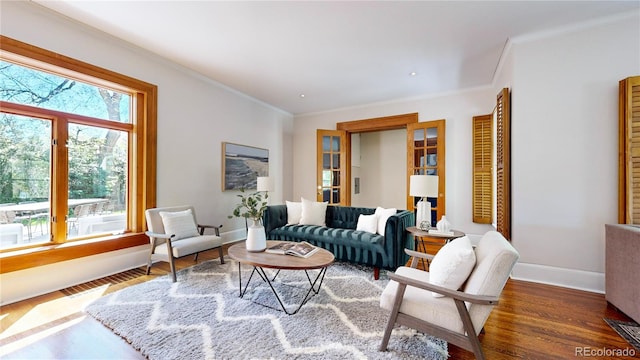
x=469 y=342
x=169 y=239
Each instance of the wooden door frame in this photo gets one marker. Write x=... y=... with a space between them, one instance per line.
x=345 y=164
x=367 y=125
x=440 y=125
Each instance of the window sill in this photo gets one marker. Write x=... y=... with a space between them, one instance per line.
x=49 y=254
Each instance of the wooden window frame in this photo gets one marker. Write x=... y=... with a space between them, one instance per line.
x=142 y=162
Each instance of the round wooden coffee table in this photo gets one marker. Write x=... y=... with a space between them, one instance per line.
x=261 y=260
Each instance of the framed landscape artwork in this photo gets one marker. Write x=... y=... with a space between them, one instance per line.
x=241 y=166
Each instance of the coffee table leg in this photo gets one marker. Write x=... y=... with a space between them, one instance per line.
x=322 y=272
x=312 y=289
x=248 y=281
x=276 y=275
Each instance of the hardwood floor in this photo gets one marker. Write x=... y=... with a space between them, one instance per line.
x=532 y=321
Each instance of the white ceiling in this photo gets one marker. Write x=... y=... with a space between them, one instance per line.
x=337 y=53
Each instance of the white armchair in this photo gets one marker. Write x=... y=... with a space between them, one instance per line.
x=174 y=233
x=459 y=315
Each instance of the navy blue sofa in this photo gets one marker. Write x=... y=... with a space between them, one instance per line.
x=343 y=240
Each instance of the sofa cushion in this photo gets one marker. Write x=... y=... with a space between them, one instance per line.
x=314 y=233
x=368 y=223
x=383 y=216
x=294 y=212
x=313 y=213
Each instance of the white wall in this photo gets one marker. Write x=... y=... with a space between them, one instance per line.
x=456 y=108
x=564 y=145
x=564 y=140
x=379 y=156
x=195 y=115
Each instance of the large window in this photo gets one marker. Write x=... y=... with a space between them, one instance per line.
x=76 y=153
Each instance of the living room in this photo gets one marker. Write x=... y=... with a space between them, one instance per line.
x=564 y=84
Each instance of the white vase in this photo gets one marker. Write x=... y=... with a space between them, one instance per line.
x=256 y=238
x=443 y=225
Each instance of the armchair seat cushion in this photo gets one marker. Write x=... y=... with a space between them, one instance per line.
x=421 y=304
x=190 y=245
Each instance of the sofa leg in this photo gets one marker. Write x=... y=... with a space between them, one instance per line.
x=376 y=273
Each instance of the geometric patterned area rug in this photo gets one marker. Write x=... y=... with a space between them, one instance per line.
x=202 y=317
x=629 y=331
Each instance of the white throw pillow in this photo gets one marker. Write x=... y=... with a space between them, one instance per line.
x=180 y=223
x=294 y=212
x=383 y=215
x=313 y=213
x=368 y=223
x=452 y=265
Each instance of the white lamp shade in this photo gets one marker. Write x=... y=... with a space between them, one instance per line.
x=423 y=186
x=264 y=183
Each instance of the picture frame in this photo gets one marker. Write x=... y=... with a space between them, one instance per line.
x=241 y=166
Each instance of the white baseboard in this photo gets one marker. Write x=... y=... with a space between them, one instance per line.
x=550 y=275
x=28 y=283
x=568 y=278
x=25 y=284
x=233 y=236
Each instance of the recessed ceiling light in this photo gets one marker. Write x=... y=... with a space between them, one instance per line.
x=302 y=95
x=413 y=73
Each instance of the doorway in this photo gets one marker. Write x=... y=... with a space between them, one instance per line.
x=334 y=163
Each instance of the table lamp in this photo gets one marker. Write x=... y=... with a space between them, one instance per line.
x=423 y=186
x=264 y=184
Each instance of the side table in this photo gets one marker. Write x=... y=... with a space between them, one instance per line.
x=422 y=237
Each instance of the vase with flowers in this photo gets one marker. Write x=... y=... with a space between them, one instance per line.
x=251 y=207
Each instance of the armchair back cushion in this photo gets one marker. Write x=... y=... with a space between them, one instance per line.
x=179 y=223
x=155 y=222
x=495 y=258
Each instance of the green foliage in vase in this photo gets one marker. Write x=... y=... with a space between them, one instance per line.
x=251 y=206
